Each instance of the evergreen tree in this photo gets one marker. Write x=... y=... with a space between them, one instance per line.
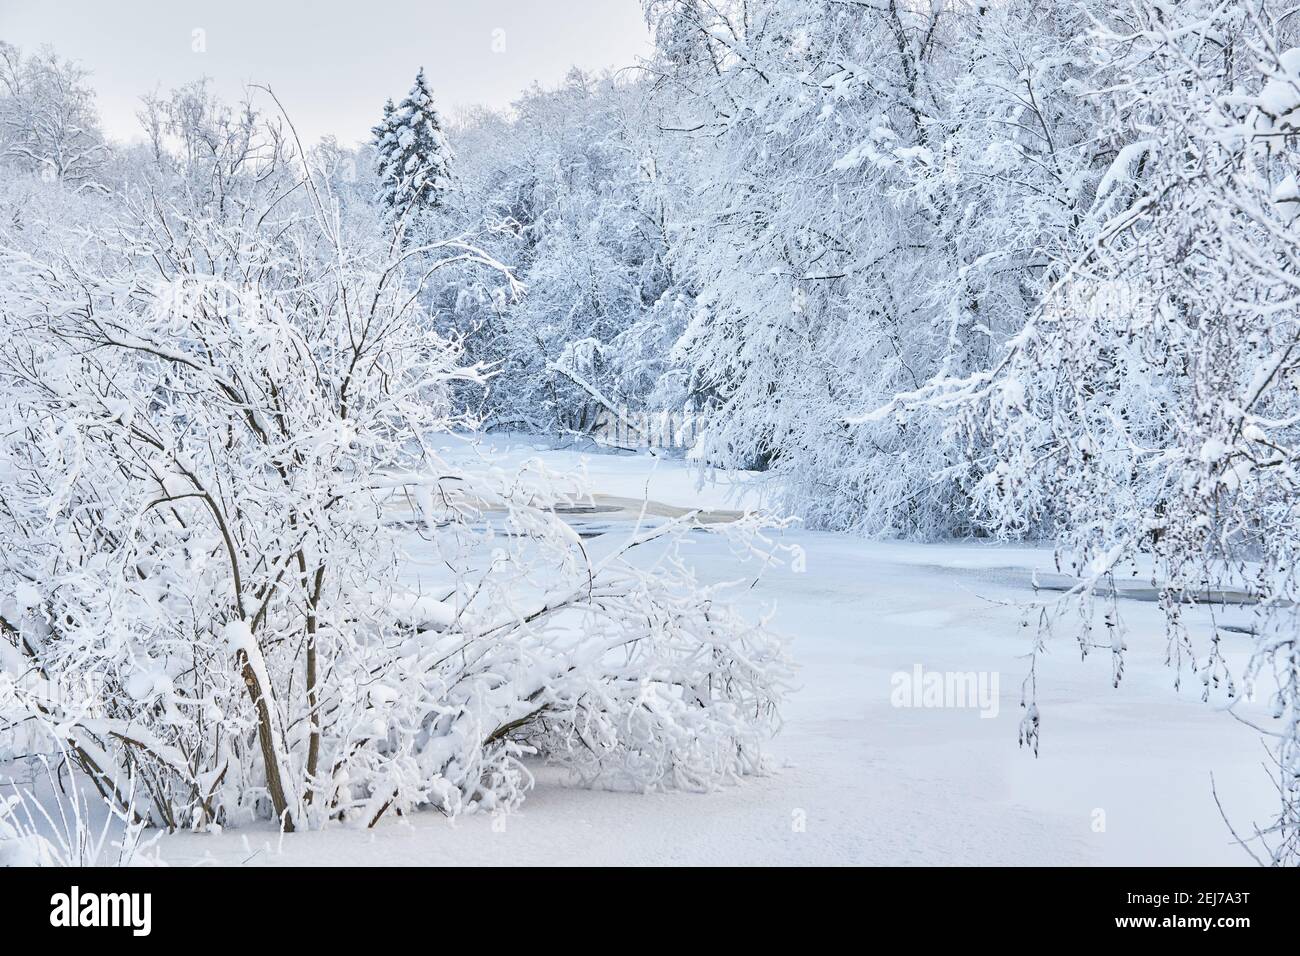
x=379 y=133
x=414 y=157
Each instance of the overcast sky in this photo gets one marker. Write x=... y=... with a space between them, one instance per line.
x=331 y=63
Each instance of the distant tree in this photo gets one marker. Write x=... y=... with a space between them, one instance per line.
x=194 y=135
x=380 y=131
x=414 y=157
x=48 y=123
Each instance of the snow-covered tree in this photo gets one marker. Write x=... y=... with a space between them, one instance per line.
x=567 y=189
x=1146 y=414
x=48 y=122
x=872 y=195
x=801 y=125
x=412 y=154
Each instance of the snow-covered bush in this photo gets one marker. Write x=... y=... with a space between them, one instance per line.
x=219 y=409
x=55 y=823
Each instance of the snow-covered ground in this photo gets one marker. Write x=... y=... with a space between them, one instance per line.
x=1123 y=776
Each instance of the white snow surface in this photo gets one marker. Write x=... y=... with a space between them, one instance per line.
x=1123 y=775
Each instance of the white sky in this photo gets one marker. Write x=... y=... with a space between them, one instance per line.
x=331 y=63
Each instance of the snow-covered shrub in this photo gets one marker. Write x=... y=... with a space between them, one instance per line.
x=218 y=410
x=57 y=824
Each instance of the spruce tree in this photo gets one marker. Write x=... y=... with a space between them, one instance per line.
x=414 y=157
x=379 y=132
